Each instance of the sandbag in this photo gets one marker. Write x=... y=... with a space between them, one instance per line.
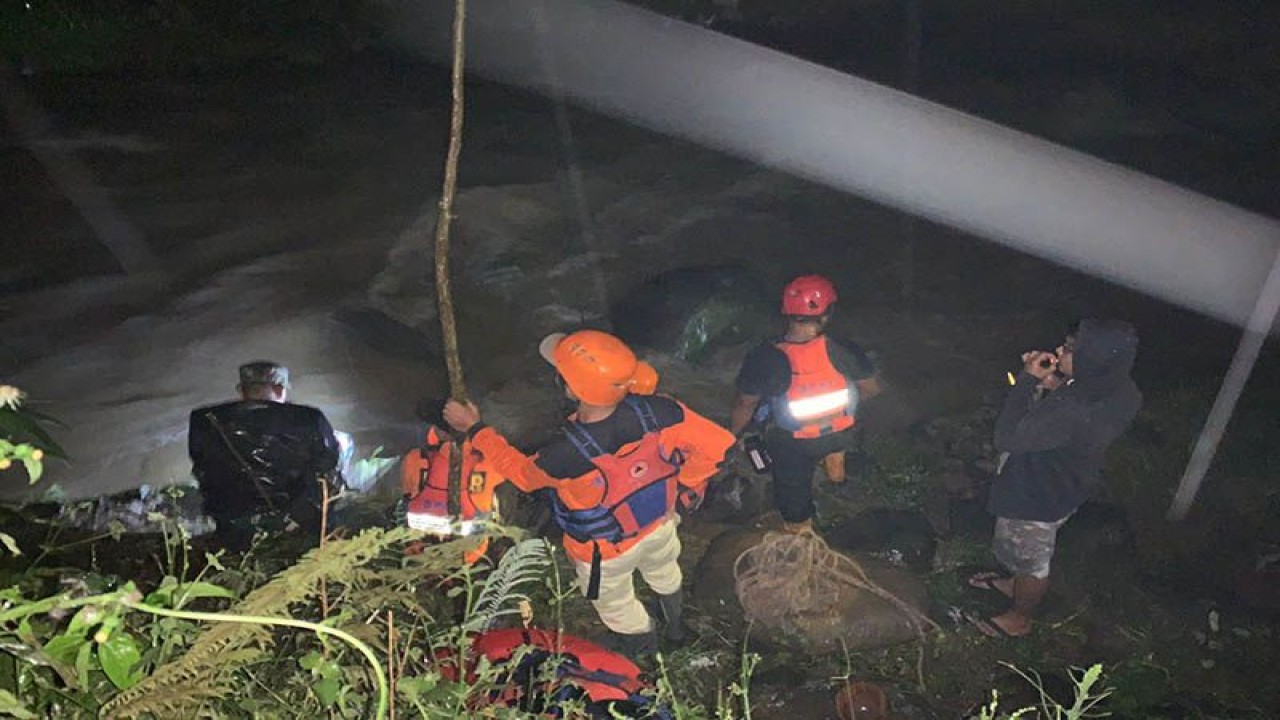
x=861 y=619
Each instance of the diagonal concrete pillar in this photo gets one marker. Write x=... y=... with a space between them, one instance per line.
x=867 y=139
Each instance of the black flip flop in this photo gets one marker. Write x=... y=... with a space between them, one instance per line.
x=985 y=580
x=988 y=628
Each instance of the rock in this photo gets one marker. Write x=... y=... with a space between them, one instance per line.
x=145 y=510
x=901 y=538
x=688 y=311
x=860 y=620
x=862 y=701
x=958 y=484
x=736 y=498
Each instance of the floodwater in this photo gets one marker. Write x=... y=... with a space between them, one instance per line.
x=291 y=212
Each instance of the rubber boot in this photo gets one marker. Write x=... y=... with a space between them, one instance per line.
x=633 y=646
x=671 y=611
x=798 y=528
x=833 y=464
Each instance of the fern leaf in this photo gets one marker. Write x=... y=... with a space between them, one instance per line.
x=524 y=563
x=180 y=687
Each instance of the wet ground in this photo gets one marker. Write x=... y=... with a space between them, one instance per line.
x=274 y=201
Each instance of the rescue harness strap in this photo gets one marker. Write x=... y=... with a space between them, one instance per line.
x=590 y=449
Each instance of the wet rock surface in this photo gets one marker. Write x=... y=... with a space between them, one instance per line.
x=688 y=311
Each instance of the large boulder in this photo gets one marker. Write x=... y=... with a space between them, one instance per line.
x=689 y=311
x=858 y=620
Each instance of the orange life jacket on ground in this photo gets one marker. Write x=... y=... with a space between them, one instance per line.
x=820 y=400
x=553 y=669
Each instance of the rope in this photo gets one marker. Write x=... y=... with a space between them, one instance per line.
x=787 y=576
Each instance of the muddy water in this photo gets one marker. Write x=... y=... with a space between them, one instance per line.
x=274 y=201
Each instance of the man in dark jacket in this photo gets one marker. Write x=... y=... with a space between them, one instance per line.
x=1055 y=444
x=261 y=456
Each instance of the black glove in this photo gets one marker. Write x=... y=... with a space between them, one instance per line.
x=690 y=499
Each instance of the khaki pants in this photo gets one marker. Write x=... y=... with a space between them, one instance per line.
x=655 y=556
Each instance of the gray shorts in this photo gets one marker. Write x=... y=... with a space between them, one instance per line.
x=1025 y=547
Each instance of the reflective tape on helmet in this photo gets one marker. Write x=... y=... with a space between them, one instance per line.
x=444 y=525
x=819 y=405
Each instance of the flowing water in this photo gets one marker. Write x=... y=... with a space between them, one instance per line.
x=290 y=214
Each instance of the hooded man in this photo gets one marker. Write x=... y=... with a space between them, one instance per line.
x=615 y=474
x=1056 y=443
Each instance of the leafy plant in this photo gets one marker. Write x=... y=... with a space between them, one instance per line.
x=191 y=646
x=522 y=564
x=22 y=438
x=1088 y=695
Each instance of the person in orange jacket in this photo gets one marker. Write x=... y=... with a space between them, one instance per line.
x=424 y=484
x=806 y=388
x=616 y=471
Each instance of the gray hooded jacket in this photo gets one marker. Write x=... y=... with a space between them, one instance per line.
x=1057 y=444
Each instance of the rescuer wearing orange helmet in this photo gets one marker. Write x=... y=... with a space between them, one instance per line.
x=617 y=470
x=806 y=388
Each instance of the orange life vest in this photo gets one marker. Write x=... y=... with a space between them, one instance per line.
x=638 y=484
x=539 y=670
x=820 y=400
x=424 y=478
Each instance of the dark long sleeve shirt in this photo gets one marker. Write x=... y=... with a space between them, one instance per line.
x=253 y=456
x=1057 y=443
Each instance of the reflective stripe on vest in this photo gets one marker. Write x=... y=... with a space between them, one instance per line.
x=819 y=400
x=639 y=485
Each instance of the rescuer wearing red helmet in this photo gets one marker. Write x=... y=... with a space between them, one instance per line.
x=617 y=471
x=806 y=388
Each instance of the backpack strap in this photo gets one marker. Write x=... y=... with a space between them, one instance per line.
x=644 y=412
x=582 y=440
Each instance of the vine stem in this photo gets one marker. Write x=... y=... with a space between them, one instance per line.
x=384 y=691
x=444 y=291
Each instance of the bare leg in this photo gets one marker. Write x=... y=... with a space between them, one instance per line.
x=1028 y=592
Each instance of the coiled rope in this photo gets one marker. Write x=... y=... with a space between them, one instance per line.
x=789 y=576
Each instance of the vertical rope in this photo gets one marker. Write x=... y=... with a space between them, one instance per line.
x=444 y=293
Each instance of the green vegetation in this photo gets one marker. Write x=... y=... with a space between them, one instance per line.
x=1087 y=697
x=23 y=438
x=351 y=629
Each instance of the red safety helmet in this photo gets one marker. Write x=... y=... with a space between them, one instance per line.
x=808 y=296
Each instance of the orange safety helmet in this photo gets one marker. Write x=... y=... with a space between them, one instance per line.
x=597 y=367
x=645 y=379
x=808 y=296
